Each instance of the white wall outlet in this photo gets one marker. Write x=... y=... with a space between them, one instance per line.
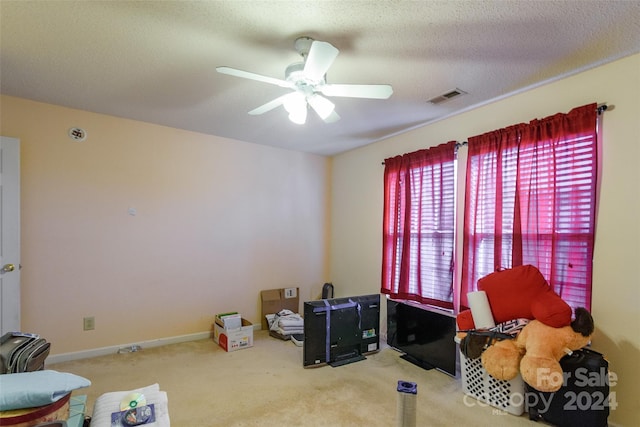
x=290 y=292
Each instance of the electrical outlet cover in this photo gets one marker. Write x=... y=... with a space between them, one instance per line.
x=89 y=323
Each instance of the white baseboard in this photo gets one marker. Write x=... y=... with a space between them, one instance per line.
x=103 y=351
x=383 y=340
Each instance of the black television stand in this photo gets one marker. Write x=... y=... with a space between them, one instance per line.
x=347 y=360
x=421 y=363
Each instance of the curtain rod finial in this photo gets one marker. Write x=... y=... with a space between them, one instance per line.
x=604 y=107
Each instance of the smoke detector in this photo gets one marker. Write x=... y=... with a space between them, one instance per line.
x=77 y=134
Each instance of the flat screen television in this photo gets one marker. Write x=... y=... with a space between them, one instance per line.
x=425 y=335
x=338 y=331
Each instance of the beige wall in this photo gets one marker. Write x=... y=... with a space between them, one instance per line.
x=217 y=221
x=357 y=205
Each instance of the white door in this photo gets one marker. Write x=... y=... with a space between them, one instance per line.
x=9 y=234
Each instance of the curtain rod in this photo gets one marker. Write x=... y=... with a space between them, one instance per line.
x=458 y=145
x=601 y=108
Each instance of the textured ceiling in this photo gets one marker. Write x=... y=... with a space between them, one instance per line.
x=155 y=61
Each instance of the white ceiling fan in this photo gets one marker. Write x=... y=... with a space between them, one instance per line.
x=307 y=80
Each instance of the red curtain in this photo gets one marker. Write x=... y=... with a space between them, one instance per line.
x=530 y=199
x=418 y=226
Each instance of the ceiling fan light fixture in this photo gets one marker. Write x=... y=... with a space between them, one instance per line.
x=298 y=117
x=294 y=102
x=296 y=105
x=321 y=105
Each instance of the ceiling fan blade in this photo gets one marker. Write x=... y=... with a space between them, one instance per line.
x=321 y=56
x=357 y=91
x=253 y=76
x=269 y=105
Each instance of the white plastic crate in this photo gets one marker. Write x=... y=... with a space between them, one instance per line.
x=477 y=383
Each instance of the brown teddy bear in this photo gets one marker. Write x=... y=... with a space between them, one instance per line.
x=537 y=350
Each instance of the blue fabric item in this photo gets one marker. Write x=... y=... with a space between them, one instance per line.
x=38 y=388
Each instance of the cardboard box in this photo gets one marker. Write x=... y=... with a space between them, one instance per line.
x=229 y=320
x=274 y=300
x=232 y=339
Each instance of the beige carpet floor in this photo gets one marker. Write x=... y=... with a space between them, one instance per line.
x=266 y=385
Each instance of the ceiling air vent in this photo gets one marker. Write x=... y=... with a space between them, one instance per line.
x=447 y=96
